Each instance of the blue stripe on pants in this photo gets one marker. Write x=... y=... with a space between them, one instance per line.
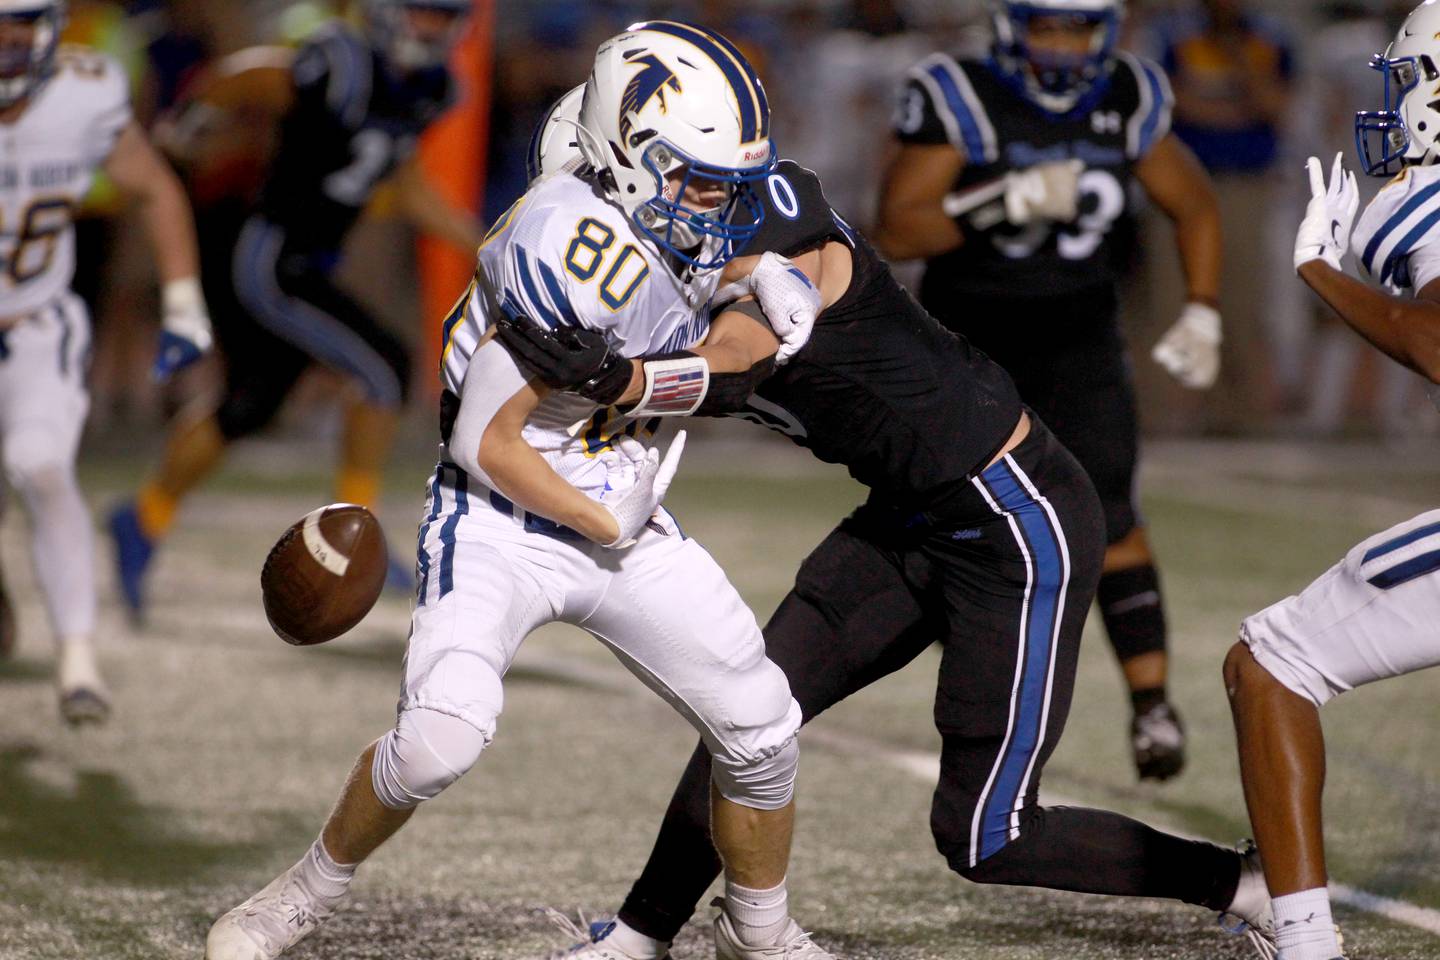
x=422 y=558
x=1041 y=617
x=447 y=532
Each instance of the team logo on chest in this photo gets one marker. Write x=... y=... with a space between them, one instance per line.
x=652 y=80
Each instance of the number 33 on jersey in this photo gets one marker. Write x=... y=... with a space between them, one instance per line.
x=968 y=105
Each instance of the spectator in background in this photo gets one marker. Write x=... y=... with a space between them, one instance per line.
x=1231 y=71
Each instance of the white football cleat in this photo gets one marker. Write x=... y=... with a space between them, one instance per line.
x=794 y=944
x=591 y=940
x=1249 y=914
x=269 y=923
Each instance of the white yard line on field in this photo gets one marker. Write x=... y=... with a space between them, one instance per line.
x=925 y=766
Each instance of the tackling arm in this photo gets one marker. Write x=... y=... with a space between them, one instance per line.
x=1408 y=331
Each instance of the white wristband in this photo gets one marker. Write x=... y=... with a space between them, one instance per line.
x=182 y=296
x=673 y=388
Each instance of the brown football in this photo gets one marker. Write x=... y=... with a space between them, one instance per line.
x=324 y=574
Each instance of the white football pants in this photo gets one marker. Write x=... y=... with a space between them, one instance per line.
x=43 y=404
x=1373 y=615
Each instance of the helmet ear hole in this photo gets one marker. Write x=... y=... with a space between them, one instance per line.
x=1428 y=65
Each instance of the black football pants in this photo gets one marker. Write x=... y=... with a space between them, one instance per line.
x=1004 y=582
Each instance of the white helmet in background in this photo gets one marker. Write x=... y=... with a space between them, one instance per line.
x=668 y=103
x=24 y=67
x=1057 y=84
x=404 y=49
x=556 y=141
x=1405 y=131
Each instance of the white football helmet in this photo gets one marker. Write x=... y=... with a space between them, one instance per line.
x=1057 y=84
x=1405 y=131
x=388 y=25
x=556 y=141
x=24 y=67
x=668 y=103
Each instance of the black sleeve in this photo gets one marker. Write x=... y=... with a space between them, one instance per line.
x=917 y=117
x=797 y=215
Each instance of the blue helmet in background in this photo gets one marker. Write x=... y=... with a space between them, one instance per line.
x=389 y=27
x=1057 y=83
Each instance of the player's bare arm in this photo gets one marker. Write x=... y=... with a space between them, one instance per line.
x=138 y=170
x=1407 y=331
x=913 y=223
x=1180 y=187
x=431 y=213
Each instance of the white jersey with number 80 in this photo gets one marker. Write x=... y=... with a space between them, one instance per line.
x=48 y=159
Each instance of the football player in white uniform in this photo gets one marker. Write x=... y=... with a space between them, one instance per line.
x=64 y=114
x=545 y=507
x=1374 y=614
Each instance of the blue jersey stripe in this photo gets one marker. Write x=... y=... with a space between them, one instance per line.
x=1407 y=571
x=1157 y=108
x=1393 y=224
x=557 y=293
x=447 y=532
x=969 y=128
x=1048 y=582
x=746 y=97
x=1403 y=248
x=1404 y=540
x=538 y=308
x=422 y=558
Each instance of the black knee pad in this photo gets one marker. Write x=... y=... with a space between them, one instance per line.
x=1130 y=605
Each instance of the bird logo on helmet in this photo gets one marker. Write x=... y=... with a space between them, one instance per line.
x=25 y=65
x=1059 y=81
x=674 y=111
x=407 y=46
x=1405 y=130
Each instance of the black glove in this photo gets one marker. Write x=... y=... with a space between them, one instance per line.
x=569 y=358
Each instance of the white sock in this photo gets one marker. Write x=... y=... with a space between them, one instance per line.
x=322 y=876
x=1304 y=929
x=77 y=667
x=633 y=943
x=759 y=916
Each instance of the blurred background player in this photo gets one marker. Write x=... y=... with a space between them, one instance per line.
x=1012 y=175
x=1375 y=613
x=64 y=115
x=349 y=106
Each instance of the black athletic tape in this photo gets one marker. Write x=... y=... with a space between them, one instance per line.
x=729 y=391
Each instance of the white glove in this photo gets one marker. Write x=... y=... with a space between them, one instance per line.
x=1324 y=234
x=790 y=301
x=184 y=328
x=1190 y=350
x=1046 y=191
x=634 y=507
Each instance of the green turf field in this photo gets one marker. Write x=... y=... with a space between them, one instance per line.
x=228 y=746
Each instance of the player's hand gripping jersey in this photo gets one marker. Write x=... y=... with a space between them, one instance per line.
x=48 y=159
x=1397 y=239
x=972 y=107
x=563 y=255
x=352 y=124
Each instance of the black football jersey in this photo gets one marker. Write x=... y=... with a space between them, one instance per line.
x=351 y=125
x=971 y=106
x=881 y=387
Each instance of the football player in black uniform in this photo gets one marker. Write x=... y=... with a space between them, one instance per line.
x=350 y=105
x=981 y=531
x=1011 y=173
